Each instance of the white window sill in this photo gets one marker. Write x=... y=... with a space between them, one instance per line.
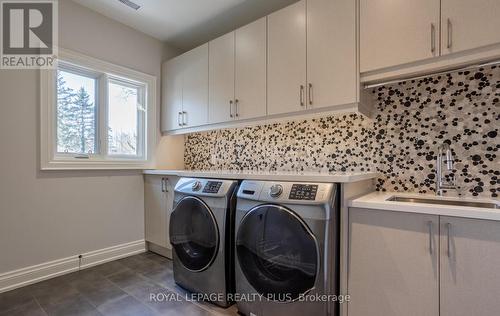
x=95 y=165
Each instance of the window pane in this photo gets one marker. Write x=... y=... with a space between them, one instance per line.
x=123 y=119
x=76 y=113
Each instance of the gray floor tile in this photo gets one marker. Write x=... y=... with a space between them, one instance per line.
x=31 y=308
x=71 y=306
x=126 y=278
x=161 y=275
x=49 y=294
x=15 y=298
x=126 y=306
x=143 y=290
x=109 y=268
x=100 y=292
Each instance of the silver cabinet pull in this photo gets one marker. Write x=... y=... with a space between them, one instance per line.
x=236 y=108
x=310 y=93
x=166 y=184
x=179 y=118
x=162 y=184
x=431 y=246
x=433 y=38
x=448 y=235
x=231 y=108
x=449 y=34
x=184 y=118
x=301 y=95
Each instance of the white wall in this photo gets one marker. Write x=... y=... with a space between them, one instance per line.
x=50 y=215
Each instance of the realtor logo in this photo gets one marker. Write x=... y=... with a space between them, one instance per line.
x=29 y=34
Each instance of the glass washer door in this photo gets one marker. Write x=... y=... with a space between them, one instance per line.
x=194 y=233
x=277 y=252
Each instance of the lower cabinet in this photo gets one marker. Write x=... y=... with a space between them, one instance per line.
x=158 y=204
x=393 y=264
x=418 y=264
x=470 y=267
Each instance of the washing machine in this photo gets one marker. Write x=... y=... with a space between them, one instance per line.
x=202 y=237
x=287 y=248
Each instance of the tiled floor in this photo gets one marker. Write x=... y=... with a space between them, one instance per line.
x=119 y=287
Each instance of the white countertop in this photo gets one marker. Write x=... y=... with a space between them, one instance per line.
x=340 y=177
x=378 y=200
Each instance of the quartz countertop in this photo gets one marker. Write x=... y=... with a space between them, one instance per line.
x=379 y=201
x=340 y=177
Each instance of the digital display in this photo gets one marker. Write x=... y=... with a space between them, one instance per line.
x=212 y=187
x=303 y=192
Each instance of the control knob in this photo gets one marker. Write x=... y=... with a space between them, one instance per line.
x=196 y=186
x=276 y=190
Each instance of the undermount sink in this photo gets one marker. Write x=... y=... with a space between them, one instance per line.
x=443 y=202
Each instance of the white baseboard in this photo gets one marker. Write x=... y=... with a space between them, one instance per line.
x=29 y=275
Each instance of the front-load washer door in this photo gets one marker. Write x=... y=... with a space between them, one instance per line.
x=194 y=234
x=277 y=252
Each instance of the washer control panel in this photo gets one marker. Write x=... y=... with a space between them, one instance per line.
x=212 y=187
x=286 y=192
x=305 y=192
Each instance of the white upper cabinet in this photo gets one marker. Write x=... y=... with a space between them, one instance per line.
x=287 y=59
x=172 y=95
x=221 y=79
x=250 y=70
x=398 y=32
x=469 y=24
x=331 y=53
x=195 y=87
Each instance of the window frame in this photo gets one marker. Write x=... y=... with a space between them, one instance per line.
x=104 y=72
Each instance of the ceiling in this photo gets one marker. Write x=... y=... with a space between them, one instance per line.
x=185 y=24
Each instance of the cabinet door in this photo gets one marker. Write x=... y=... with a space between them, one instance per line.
x=155 y=218
x=393 y=264
x=470 y=267
x=195 y=86
x=221 y=79
x=397 y=32
x=331 y=53
x=287 y=59
x=172 y=95
x=469 y=24
x=250 y=70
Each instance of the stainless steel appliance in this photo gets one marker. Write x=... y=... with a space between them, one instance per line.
x=287 y=251
x=201 y=234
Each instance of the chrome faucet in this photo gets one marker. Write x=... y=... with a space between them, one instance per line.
x=441 y=182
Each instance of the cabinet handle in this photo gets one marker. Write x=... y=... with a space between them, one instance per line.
x=449 y=34
x=448 y=235
x=166 y=184
x=184 y=118
x=301 y=95
x=231 y=108
x=236 y=108
x=433 y=38
x=162 y=184
x=431 y=246
x=310 y=94
x=179 y=118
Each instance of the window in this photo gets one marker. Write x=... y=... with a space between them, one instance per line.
x=95 y=115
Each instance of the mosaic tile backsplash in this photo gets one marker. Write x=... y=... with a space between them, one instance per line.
x=411 y=119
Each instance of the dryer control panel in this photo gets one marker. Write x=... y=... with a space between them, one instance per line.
x=212 y=187
x=303 y=192
x=286 y=192
x=205 y=187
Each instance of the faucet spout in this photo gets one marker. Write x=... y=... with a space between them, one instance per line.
x=441 y=183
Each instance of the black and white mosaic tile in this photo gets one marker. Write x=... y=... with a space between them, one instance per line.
x=411 y=119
